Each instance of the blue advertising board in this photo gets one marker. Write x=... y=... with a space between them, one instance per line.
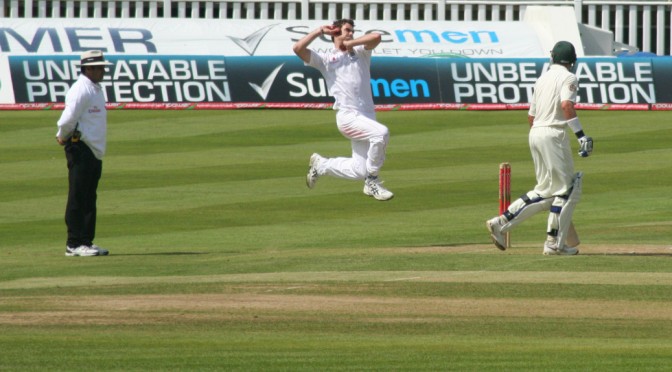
x=211 y=78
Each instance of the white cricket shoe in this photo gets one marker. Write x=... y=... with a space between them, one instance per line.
x=551 y=249
x=312 y=176
x=495 y=227
x=82 y=250
x=101 y=251
x=374 y=187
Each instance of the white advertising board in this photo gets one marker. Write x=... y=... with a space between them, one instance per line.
x=261 y=37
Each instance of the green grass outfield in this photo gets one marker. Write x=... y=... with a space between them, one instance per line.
x=222 y=259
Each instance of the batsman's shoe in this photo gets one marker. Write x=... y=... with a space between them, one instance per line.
x=312 y=176
x=551 y=249
x=374 y=187
x=82 y=250
x=495 y=227
x=101 y=251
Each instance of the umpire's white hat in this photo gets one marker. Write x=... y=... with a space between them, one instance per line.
x=93 y=58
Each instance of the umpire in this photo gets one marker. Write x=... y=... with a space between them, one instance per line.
x=82 y=131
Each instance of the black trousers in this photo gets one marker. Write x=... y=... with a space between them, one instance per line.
x=84 y=171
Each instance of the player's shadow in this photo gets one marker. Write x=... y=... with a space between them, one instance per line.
x=160 y=254
x=634 y=254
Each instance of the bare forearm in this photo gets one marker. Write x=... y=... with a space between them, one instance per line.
x=370 y=41
x=568 y=109
x=301 y=47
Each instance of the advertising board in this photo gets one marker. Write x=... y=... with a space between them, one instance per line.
x=238 y=63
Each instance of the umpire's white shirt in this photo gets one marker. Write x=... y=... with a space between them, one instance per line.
x=348 y=77
x=554 y=86
x=85 y=104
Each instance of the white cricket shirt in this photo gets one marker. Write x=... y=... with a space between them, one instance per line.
x=554 y=86
x=348 y=77
x=85 y=104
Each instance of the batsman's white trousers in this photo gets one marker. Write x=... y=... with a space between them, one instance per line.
x=553 y=163
x=369 y=140
x=554 y=169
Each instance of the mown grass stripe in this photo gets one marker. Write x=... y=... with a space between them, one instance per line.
x=508 y=277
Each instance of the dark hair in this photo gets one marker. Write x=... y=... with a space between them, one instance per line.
x=339 y=23
x=343 y=21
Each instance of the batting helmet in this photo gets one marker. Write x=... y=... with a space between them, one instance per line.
x=564 y=53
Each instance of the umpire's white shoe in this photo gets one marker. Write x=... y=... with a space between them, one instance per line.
x=101 y=251
x=551 y=249
x=374 y=187
x=82 y=250
x=495 y=227
x=312 y=176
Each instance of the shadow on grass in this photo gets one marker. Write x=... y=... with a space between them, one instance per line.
x=159 y=254
x=643 y=254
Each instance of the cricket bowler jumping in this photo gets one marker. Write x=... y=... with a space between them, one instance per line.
x=346 y=69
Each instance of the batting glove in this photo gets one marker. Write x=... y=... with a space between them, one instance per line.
x=585 y=146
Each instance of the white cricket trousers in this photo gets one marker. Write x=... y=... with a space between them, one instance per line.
x=553 y=163
x=369 y=140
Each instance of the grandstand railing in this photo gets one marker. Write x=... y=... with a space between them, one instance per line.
x=643 y=24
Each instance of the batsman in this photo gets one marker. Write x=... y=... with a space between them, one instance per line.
x=558 y=187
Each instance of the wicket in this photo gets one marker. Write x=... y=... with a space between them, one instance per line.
x=505 y=193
